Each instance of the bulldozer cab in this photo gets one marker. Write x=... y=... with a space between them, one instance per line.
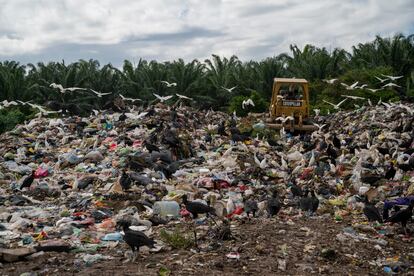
x=290 y=99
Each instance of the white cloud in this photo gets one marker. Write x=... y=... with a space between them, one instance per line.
x=114 y=30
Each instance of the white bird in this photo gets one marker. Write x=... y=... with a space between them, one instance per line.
x=331 y=81
x=353 y=97
x=317 y=111
x=332 y=167
x=96 y=112
x=99 y=94
x=136 y=117
x=391 y=84
x=247 y=102
x=129 y=99
x=392 y=78
x=6 y=103
x=161 y=98
x=374 y=90
x=387 y=105
x=229 y=89
x=362 y=86
x=312 y=159
x=335 y=106
x=261 y=164
x=183 y=97
x=319 y=126
x=381 y=80
x=284 y=164
x=350 y=87
x=169 y=84
x=235 y=116
x=285 y=119
x=64 y=90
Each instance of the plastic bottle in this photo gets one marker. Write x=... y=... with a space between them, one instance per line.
x=112 y=237
x=167 y=208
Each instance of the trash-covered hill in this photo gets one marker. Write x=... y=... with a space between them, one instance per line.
x=67 y=184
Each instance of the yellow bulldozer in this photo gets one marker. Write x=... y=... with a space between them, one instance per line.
x=289 y=106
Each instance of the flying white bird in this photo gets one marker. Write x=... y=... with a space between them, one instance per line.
x=317 y=111
x=392 y=78
x=350 y=87
x=369 y=102
x=362 y=86
x=335 y=106
x=6 y=103
x=261 y=164
x=129 y=99
x=391 y=84
x=247 y=102
x=285 y=119
x=169 y=84
x=319 y=126
x=331 y=81
x=381 y=80
x=229 y=89
x=353 y=97
x=183 y=97
x=99 y=94
x=374 y=90
x=136 y=117
x=162 y=98
x=64 y=90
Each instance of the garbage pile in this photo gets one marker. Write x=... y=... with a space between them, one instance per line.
x=86 y=185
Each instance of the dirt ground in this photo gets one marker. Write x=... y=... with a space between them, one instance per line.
x=307 y=245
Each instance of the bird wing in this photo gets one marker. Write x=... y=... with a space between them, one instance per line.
x=167 y=97
x=251 y=102
x=329 y=103
x=263 y=163
x=231 y=89
x=166 y=82
x=354 y=84
x=256 y=160
x=341 y=102
x=157 y=96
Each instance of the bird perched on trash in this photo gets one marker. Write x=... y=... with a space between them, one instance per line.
x=135 y=239
x=221 y=130
x=27 y=182
x=125 y=181
x=273 y=205
x=196 y=208
x=402 y=216
x=250 y=206
x=308 y=204
x=370 y=211
x=150 y=147
x=295 y=189
x=315 y=202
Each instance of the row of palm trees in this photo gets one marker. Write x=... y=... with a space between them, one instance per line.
x=203 y=81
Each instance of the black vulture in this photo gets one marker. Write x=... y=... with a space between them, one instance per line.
x=273 y=205
x=371 y=212
x=402 y=216
x=135 y=239
x=125 y=181
x=27 y=182
x=196 y=208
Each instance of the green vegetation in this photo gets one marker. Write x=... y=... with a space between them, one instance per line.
x=177 y=238
x=203 y=81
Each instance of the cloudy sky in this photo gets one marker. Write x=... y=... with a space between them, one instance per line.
x=114 y=30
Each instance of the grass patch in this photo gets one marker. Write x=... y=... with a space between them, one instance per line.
x=176 y=238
